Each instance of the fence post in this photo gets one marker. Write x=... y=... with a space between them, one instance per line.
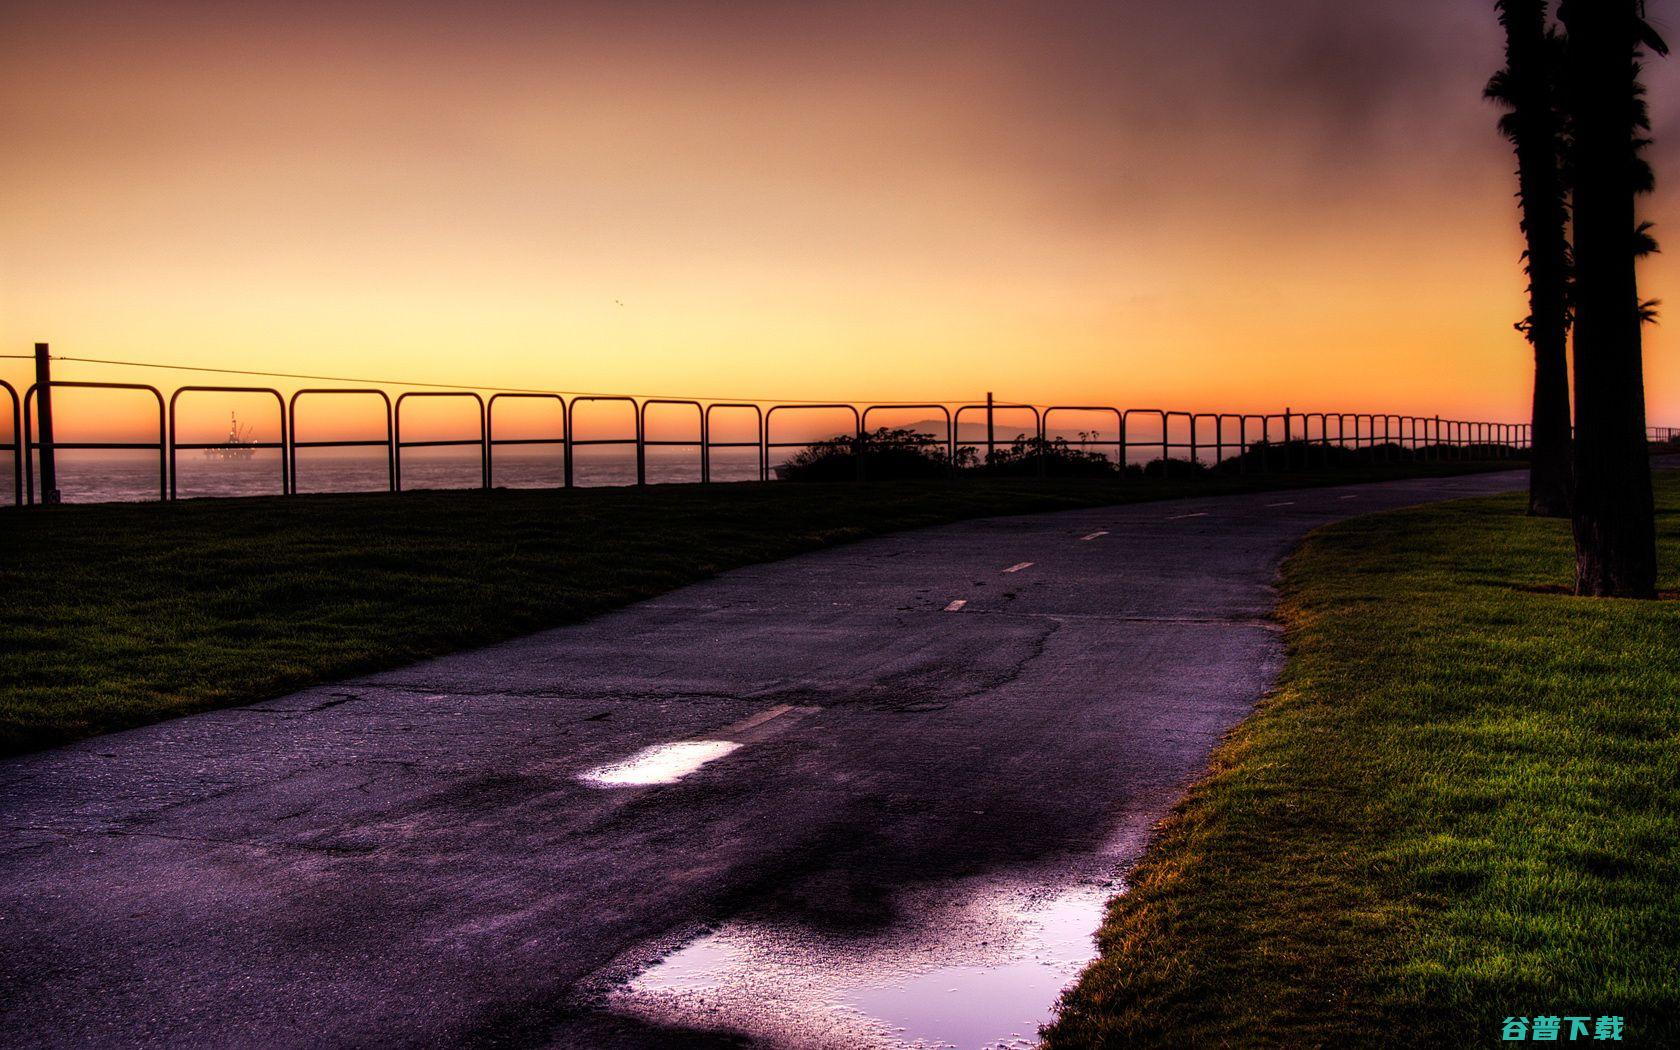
x=565 y=449
x=43 y=402
x=1287 y=427
x=860 y=451
x=1043 y=448
x=641 y=447
x=991 y=441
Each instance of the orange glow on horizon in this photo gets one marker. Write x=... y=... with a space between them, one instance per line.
x=903 y=206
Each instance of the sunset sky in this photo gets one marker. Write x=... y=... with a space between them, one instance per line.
x=1194 y=204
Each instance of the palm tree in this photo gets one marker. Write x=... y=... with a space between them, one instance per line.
x=1528 y=88
x=1615 y=541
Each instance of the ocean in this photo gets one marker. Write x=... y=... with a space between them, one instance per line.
x=87 y=476
x=108 y=477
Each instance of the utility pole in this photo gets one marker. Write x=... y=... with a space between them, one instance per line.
x=43 y=400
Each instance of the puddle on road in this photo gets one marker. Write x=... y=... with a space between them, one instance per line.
x=987 y=979
x=987 y=1006
x=669 y=763
x=659 y=764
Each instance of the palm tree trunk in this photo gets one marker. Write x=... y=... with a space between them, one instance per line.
x=1615 y=540
x=1529 y=85
x=1551 y=475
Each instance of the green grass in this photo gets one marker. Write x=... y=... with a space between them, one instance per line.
x=1462 y=803
x=119 y=615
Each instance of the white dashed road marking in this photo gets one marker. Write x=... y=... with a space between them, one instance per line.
x=1347 y=497
x=1018 y=566
x=957 y=605
x=1094 y=535
x=1285 y=503
x=1198 y=514
x=754 y=721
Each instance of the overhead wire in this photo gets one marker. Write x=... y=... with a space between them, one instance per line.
x=472 y=386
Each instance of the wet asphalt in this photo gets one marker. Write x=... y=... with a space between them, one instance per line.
x=410 y=858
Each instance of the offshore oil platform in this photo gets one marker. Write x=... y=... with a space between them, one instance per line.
x=241 y=443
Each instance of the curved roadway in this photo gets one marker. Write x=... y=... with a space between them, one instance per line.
x=417 y=858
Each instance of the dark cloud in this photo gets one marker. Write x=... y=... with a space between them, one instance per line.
x=1091 y=98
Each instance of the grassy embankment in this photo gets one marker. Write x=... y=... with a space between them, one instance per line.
x=119 y=615
x=1462 y=803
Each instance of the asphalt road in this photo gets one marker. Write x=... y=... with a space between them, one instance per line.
x=411 y=858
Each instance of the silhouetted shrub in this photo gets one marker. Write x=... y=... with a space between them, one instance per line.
x=888 y=455
x=1174 y=468
x=1024 y=455
x=902 y=453
x=1310 y=455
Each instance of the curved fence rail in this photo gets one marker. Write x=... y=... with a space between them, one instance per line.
x=30 y=445
x=707 y=444
x=15 y=445
x=398 y=444
x=217 y=446
x=954 y=432
x=991 y=409
x=389 y=443
x=573 y=441
x=856 y=435
x=647 y=442
x=923 y=441
x=491 y=441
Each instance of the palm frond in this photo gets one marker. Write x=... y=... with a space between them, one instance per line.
x=1647 y=35
x=1643 y=242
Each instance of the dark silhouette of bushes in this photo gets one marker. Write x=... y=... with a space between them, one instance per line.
x=901 y=454
x=1171 y=468
x=1024 y=456
x=888 y=455
x=895 y=454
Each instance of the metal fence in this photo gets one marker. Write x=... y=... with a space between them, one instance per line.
x=1287 y=439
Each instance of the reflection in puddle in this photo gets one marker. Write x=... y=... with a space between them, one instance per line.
x=989 y=981
x=659 y=764
x=986 y=1006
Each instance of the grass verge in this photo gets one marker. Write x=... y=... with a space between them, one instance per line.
x=122 y=614
x=1461 y=804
